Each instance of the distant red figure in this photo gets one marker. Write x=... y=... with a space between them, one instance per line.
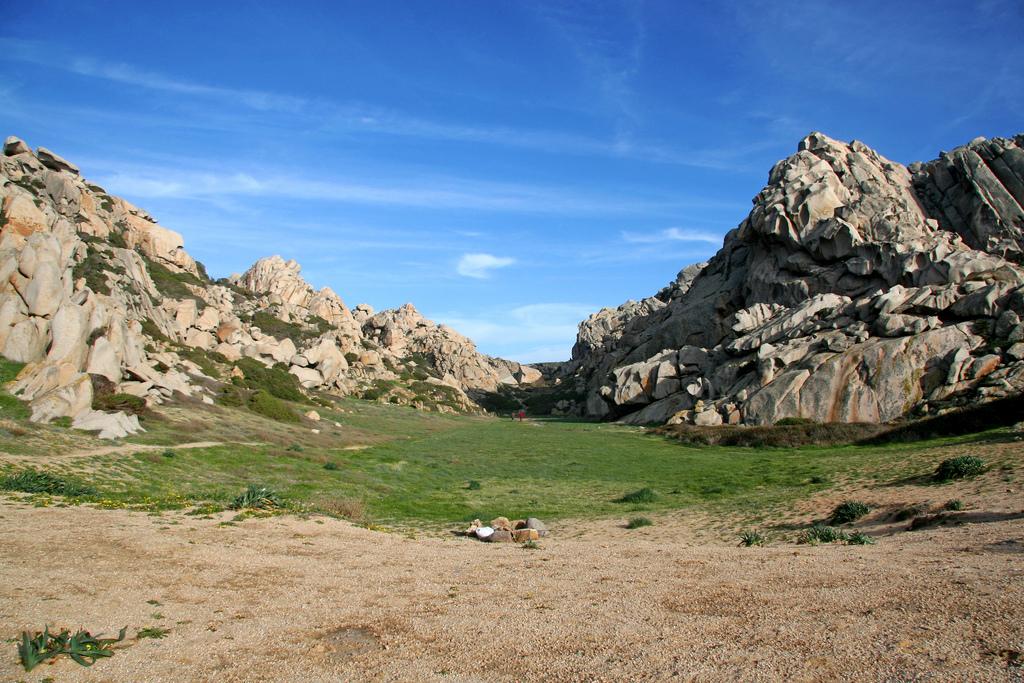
x=522 y=414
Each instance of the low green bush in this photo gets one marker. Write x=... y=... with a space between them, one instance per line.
x=960 y=467
x=954 y=505
x=267 y=405
x=793 y=421
x=276 y=380
x=637 y=522
x=133 y=405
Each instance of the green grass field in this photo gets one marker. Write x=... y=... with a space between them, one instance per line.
x=404 y=467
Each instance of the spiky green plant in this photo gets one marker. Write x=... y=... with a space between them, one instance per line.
x=83 y=647
x=960 y=467
x=820 y=533
x=750 y=538
x=39 y=481
x=858 y=538
x=954 y=505
x=257 y=498
x=638 y=522
x=848 y=511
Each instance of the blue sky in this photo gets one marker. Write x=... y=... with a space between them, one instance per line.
x=509 y=167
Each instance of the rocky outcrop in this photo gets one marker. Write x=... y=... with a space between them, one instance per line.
x=856 y=290
x=94 y=289
x=404 y=332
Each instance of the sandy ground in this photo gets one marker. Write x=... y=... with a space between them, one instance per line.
x=287 y=599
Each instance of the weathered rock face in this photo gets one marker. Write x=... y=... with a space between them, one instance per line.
x=79 y=301
x=405 y=332
x=854 y=291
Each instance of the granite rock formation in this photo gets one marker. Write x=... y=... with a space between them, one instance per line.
x=856 y=289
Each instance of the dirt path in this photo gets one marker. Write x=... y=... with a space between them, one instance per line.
x=285 y=599
x=125 y=448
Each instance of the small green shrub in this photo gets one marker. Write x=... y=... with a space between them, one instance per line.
x=849 y=511
x=150 y=329
x=644 y=495
x=276 y=380
x=296 y=448
x=9 y=370
x=820 y=533
x=256 y=498
x=793 y=421
x=38 y=481
x=330 y=466
x=858 y=538
x=954 y=505
x=82 y=647
x=133 y=405
x=473 y=485
x=168 y=453
x=266 y=405
x=749 y=539
x=351 y=357
x=960 y=467
x=637 y=522
x=174 y=285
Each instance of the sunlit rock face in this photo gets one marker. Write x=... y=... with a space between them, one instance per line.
x=855 y=290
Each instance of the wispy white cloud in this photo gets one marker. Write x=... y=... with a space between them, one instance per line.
x=671 y=235
x=480 y=265
x=440 y=192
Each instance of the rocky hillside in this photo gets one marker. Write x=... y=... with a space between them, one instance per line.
x=856 y=289
x=98 y=300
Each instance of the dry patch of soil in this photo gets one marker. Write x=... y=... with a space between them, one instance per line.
x=287 y=599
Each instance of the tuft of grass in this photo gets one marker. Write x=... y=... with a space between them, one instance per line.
x=167 y=453
x=644 y=495
x=955 y=505
x=351 y=509
x=531 y=545
x=296 y=448
x=82 y=647
x=637 y=522
x=820 y=533
x=152 y=632
x=473 y=485
x=858 y=538
x=330 y=466
x=960 y=467
x=39 y=481
x=848 y=511
x=256 y=498
x=749 y=539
